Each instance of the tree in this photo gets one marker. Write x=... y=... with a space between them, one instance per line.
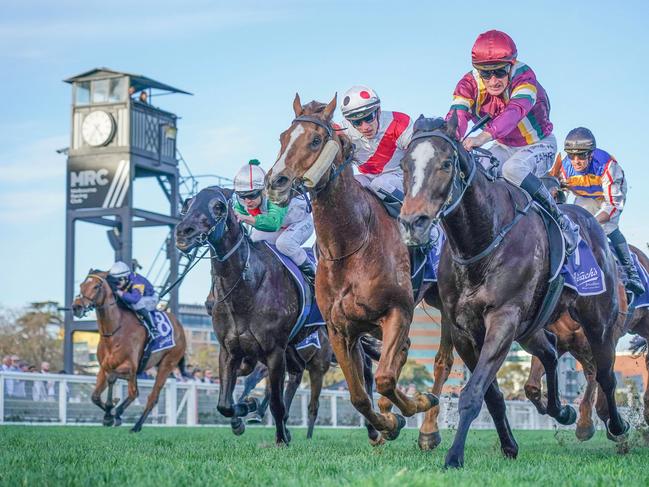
x=33 y=334
x=415 y=373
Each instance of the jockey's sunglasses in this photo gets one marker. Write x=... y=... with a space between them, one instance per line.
x=498 y=73
x=580 y=155
x=252 y=195
x=368 y=119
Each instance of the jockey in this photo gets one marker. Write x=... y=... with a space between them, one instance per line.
x=507 y=90
x=598 y=182
x=138 y=293
x=380 y=139
x=288 y=228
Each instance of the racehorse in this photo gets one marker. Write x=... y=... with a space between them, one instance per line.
x=363 y=278
x=493 y=277
x=256 y=308
x=121 y=347
x=571 y=338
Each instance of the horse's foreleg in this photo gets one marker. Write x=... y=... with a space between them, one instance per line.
x=276 y=373
x=429 y=437
x=100 y=387
x=393 y=357
x=350 y=359
x=368 y=377
x=533 y=386
x=294 y=381
x=228 y=366
x=316 y=376
x=165 y=367
x=132 y=395
x=585 y=427
x=500 y=327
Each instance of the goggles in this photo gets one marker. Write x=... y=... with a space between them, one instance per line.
x=250 y=195
x=580 y=154
x=498 y=73
x=367 y=119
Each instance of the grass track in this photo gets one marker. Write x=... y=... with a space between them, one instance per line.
x=96 y=456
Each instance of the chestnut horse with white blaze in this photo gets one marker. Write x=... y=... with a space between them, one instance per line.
x=363 y=278
x=121 y=345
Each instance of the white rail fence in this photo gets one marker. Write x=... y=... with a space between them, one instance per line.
x=27 y=398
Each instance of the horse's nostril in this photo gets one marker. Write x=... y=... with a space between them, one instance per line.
x=279 y=182
x=421 y=222
x=187 y=231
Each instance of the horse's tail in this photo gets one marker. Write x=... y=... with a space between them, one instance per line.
x=638 y=346
x=372 y=347
x=183 y=370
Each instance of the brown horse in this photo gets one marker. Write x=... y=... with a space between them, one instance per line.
x=571 y=338
x=121 y=347
x=363 y=278
x=493 y=281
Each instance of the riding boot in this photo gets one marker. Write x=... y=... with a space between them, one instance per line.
x=541 y=195
x=308 y=270
x=148 y=323
x=633 y=283
x=392 y=201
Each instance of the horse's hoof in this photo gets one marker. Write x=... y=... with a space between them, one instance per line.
x=429 y=441
x=255 y=419
x=238 y=428
x=118 y=422
x=454 y=461
x=378 y=441
x=510 y=451
x=108 y=420
x=567 y=416
x=394 y=434
x=585 y=433
x=136 y=429
x=289 y=438
x=622 y=436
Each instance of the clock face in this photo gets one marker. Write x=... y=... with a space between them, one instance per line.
x=98 y=128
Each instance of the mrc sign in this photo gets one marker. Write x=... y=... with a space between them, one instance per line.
x=98 y=184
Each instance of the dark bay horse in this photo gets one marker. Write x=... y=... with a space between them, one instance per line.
x=316 y=361
x=492 y=280
x=121 y=344
x=571 y=338
x=256 y=305
x=363 y=278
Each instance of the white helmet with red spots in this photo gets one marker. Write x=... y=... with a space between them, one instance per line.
x=249 y=179
x=359 y=102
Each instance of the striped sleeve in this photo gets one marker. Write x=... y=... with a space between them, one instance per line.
x=613 y=188
x=556 y=168
x=463 y=104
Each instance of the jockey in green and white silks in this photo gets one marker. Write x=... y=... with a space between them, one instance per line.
x=288 y=228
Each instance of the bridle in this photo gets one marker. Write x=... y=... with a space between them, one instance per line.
x=459 y=184
x=92 y=301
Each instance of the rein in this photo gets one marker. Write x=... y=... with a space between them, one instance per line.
x=93 y=303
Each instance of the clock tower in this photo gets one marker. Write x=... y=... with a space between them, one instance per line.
x=117 y=137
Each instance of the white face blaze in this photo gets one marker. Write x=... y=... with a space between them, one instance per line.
x=281 y=161
x=421 y=155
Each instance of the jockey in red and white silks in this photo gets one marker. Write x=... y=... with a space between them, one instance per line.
x=380 y=139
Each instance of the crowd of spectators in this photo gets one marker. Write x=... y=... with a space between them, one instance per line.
x=37 y=390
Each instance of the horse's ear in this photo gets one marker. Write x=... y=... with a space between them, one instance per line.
x=297 y=105
x=451 y=125
x=328 y=112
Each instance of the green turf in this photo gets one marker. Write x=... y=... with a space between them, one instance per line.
x=96 y=456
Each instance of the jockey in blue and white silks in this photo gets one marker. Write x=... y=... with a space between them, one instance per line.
x=599 y=185
x=138 y=294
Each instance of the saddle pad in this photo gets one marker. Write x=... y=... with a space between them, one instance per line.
x=166 y=339
x=424 y=264
x=312 y=340
x=309 y=312
x=582 y=272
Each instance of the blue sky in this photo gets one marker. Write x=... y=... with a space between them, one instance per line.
x=244 y=61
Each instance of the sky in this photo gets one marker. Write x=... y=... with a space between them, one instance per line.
x=244 y=62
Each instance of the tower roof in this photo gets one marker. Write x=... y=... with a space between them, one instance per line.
x=138 y=81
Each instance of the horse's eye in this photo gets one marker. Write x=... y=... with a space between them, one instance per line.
x=447 y=164
x=316 y=141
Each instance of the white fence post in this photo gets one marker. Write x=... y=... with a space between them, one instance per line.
x=334 y=410
x=63 y=401
x=192 y=405
x=171 y=402
x=305 y=405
